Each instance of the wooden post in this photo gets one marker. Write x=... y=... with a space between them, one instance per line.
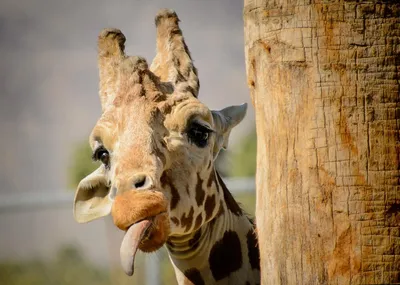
x=324 y=80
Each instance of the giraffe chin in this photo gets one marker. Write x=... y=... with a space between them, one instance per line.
x=147 y=235
x=156 y=234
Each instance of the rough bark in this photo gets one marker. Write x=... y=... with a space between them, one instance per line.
x=324 y=80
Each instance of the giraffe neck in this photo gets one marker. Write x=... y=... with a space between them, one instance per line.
x=223 y=249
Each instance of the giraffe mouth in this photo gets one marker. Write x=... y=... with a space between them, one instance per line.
x=138 y=236
x=144 y=218
x=130 y=244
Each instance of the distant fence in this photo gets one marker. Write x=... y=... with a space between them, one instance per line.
x=33 y=201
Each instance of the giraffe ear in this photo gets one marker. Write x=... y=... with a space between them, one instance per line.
x=224 y=121
x=91 y=199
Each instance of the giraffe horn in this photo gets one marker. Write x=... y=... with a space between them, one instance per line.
x=111 y=45
x=173 y=62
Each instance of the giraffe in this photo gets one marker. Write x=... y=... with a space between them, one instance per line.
x=157 y=143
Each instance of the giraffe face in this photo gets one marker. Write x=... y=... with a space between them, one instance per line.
x=156 y=141
x=154 y=155
x=150 y=151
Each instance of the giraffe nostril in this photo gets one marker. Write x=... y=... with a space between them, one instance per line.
x=142 y=181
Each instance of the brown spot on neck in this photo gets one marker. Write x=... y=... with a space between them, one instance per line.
x=253 y=251
x=211 y=178
x=200 y=193
x=226 y=256
x=194 y=276
x=174 y=192
x=209 y=206
x=174 y=197
x=198 y=221
x=187 y=222
x=175 y=220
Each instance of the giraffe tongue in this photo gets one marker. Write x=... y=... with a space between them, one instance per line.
x=130 y=244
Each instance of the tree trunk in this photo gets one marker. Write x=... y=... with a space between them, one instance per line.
x=324 y=80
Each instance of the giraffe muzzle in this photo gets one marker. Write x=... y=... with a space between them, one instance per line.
x=143 y=215
x=130 y=244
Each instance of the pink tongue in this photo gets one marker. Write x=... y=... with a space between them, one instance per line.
x=130 y=245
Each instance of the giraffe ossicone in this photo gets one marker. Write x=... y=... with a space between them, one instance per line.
x=157 y=143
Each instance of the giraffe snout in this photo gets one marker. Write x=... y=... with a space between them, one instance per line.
x=133 y=206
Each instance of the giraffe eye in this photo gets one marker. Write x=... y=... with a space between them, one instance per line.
x=102 y=154
x=198 y=134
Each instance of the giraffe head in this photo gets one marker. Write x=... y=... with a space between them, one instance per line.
x=157 y=143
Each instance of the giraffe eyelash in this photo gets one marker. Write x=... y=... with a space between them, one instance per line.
x=201 y=126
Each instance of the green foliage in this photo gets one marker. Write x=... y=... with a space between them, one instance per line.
x=81 y=164
x=244 y=157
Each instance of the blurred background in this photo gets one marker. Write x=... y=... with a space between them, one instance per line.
x=48 y=105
